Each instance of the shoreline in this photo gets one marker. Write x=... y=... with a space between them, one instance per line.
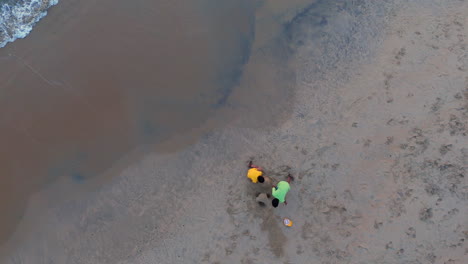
x=74 y=102
x=373 y=139
x=66 y=119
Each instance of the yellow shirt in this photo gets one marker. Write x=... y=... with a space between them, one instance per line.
x=253 y=174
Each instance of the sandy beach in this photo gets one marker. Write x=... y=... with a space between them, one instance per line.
x=365 y=103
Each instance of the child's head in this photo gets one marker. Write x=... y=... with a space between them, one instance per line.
x=275 y=202
x=260 y=179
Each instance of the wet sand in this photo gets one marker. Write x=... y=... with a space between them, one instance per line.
x=375 y=137
x=92 y=89
x=97 y=79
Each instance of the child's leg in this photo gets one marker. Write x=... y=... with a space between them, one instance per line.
x=290 y=178
x=250 y=165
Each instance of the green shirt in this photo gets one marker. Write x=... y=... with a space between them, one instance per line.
x=280 y=191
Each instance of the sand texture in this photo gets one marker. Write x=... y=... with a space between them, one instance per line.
x=376 y=138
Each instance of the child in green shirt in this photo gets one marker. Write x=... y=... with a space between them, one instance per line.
x=280 y=190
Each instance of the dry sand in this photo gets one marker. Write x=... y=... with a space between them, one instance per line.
x=376 y=139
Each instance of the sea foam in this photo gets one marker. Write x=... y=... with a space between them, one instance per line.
x=17 y=19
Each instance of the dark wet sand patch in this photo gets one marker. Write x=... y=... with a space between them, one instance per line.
x=95 y=80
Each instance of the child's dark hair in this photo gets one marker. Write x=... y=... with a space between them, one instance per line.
x=260 y=179
x=275 y=202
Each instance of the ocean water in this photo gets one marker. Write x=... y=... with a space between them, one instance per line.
x=90 y=85
x=17 y=18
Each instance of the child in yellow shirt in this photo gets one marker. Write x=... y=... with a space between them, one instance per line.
x=255 y=173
